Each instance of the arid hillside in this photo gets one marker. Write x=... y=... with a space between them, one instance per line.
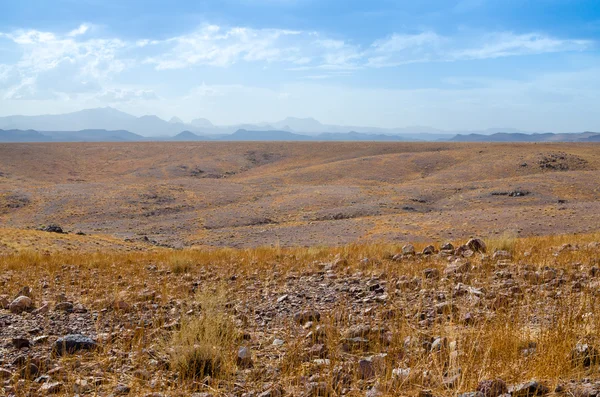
x=300 y=194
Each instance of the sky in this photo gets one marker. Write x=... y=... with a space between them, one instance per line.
x=449 y=64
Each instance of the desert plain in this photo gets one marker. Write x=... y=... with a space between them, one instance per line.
x=300 y=269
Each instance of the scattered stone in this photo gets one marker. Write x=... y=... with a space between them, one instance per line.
x=282 y=298
x=4 y=303
x=431 y=273
x=429 y=250
x=21 y=343
x=244 y=357
x=51 y=388
x=41 y=310
x=366 y=370
x=52 y=228
x=477 y=245
x=121 y=390
x=21 y=304
x=307 y=315
x=584 y=355
x=408 y=249
x=400 y=374
x=121 y=305
x=501 y=254
x=492 y=387
x=64 y=307
x=278 y=342
x=528 y=389
x=447 y=247
x=73 y=343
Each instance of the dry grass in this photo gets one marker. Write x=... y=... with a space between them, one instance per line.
x=216 y=295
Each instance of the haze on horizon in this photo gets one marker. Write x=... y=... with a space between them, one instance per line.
x=453 y=65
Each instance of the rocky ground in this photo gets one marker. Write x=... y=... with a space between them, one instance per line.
x=515 y=318
x=249 y=194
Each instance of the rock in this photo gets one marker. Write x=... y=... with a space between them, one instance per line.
x=459 y=266
x=51 y=388
x=471 y=394
x=317 y=389
x=5 y=374
x=429 y=250
x=431 y=273
x=528 y=389
x=282 y=298
x=21 y=343
x=307 y=315
x=64 y=307
x=21 y=304
x=121 y=305
x=492 y=387
x=121 y=390
x=73 y=343
x=81 y=386
x=476 y=245
x=502 y=254
x=244 y=357
x=584 y=355
x=366 y=370
x=41 y=310
x=4 y=303
x=52 y=228
x=447 y=247
x=408 y=249
x=400 y=374
x=278 y=342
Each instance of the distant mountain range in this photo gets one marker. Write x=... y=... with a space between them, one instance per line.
x=109 y=124
x=519 y=137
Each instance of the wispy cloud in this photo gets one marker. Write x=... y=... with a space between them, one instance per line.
x=78 y=61
x=215 y=46
x=431 y=47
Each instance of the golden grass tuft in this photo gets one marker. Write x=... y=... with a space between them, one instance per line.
x=204 y=345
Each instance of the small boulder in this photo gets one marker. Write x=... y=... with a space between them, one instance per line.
x=64 y=307
x=429 y=250
x=408 y=249
x=73 y=343
x=366 y=369
x=244 y=357
x=447 y=247
x=21 y=343
x=477 y=245
x=492 y=387
x=432 y=273
x=21 y=304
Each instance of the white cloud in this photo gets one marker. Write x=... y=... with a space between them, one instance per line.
x=82 y=29
x=215 y=46
x=51 y=64
x=503 y=44
x=430 y=47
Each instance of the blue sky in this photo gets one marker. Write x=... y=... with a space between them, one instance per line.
x=449 y=64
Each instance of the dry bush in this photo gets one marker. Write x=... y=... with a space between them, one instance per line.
x=204 y=345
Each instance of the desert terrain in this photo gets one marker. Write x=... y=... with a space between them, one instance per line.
x=300 y=194
x=300 y=269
